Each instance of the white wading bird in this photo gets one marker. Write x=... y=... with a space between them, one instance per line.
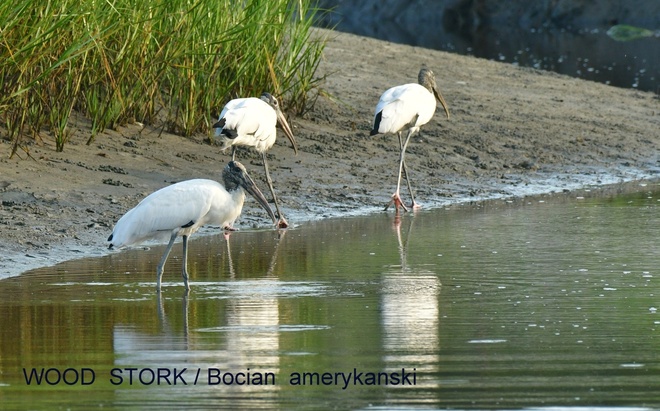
x=182 y=208
x=407 y=108
x=252 y=122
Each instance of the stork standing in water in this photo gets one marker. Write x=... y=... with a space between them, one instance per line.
x=252 y=122
x=405 y=109
x=182 y=208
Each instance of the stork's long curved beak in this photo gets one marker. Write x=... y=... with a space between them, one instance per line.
x=439 y=97
x=248 y=185
x=287 y=130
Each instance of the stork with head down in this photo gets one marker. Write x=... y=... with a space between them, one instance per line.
x=182 y=208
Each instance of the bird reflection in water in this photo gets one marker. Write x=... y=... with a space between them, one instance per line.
x=410 y=309
x=233 y=313
x=165 y=326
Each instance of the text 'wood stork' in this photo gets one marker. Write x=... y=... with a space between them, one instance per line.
x=407 y=108
x=182 y=208
x=252 y=122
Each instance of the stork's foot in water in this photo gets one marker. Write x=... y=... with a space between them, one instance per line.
x=281 y=223
x=396 y=200
x=414 y=206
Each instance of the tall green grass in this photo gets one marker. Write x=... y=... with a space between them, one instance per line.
x=172 y=62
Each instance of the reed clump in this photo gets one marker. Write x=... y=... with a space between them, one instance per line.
x=172 y=61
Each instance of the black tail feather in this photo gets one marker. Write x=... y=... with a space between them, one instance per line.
x=379 y=116
x=229 y=133
x=220 y=123
x=225 y=131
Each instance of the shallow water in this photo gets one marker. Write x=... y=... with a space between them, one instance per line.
x=539 y=302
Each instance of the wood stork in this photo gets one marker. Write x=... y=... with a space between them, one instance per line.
x=182 y=208
x=407 y=108
x=252 y=122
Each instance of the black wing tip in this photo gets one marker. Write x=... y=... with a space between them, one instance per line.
x=220 y=123
x=379 y=117
x=229 y=133
x=232 y=134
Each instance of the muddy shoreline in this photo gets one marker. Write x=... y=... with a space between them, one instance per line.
x=513 y=132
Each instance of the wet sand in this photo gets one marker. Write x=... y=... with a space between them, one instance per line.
x=512 y=132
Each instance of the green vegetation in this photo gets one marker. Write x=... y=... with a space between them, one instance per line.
x=172 y=61
x=623 y=32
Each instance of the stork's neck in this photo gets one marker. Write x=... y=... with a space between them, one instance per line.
x=230 y=184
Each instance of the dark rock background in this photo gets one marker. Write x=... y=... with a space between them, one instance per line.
x=468 y=15
x=565 y=36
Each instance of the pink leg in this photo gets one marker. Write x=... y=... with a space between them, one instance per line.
x=396 y=198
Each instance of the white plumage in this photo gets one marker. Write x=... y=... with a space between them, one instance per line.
x=171 y=209
x=253 y=122
x=182 y=208
x=407 y=108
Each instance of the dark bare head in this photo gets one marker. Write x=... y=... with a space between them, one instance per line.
x=281 y=120
x=234 y=175
x=426 y=78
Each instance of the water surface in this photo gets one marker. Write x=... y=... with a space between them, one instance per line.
x=539 y=302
